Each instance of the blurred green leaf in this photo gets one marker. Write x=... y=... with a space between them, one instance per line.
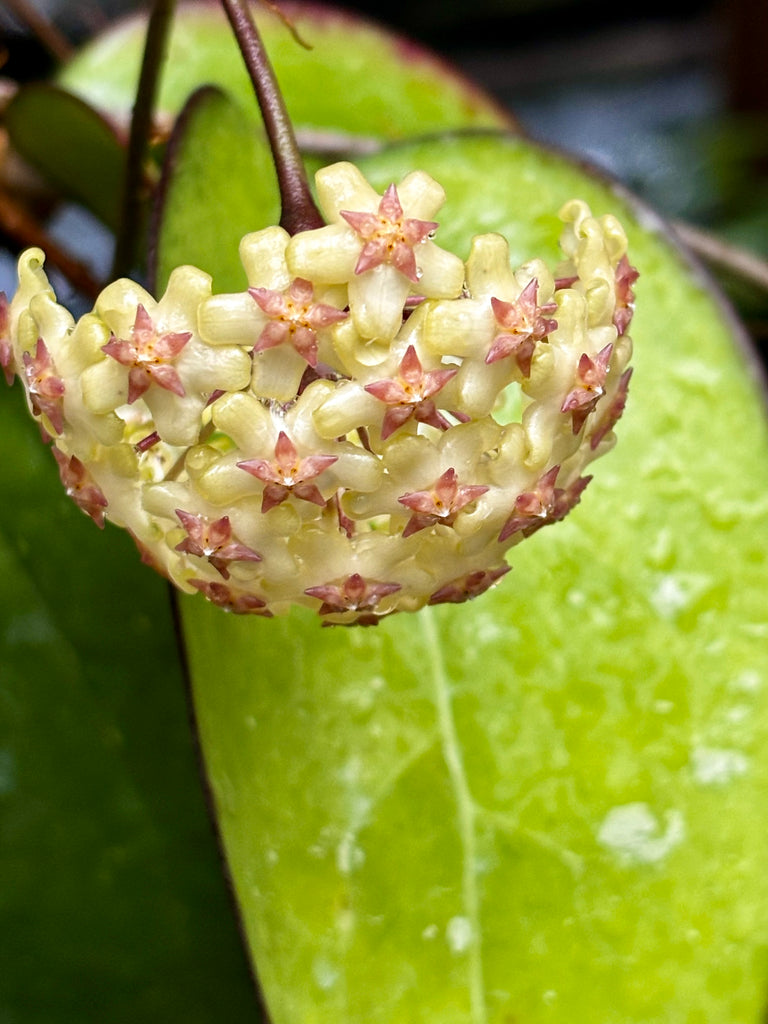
x=217 y=160
x=112 y=903
x=543 y=805
x=76 y=150
x=357 y=78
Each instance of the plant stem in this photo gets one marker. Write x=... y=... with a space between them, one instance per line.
x=298 y=209
x=54 y=42
x=131 y=218
x=22 y=228
x=747 y=265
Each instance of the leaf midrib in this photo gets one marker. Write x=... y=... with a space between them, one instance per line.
x=466 y=811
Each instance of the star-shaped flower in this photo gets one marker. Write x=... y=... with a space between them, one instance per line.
x=626 y=275
x=46 y=390
x=149 y=355
x=441 y=504
x=567 y=498
x=232 y=600
x=613 y=413
x=590 y=386
x=467 y=587
x=379 y=246
x=352 y=594
x=522 y=324
x=532 y=508
x=543 y=505
x=389 y=236
x=410 y=394
x=81 y=487
x=288 y=474
x=212 y=539
x=294 y=317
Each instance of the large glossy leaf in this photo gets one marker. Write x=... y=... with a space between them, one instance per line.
x=545 y=805
x=112 y=904
x=356 y=79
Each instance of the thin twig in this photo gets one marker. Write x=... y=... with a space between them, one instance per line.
x=275 y=8
x=741 y=262
x=54 y=42
x=155 y=45
x=299 y=212
x=19 y=225
x=325 y=142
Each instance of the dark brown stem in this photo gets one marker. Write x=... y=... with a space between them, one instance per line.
x=22 y=228
x=298 y=210
x=44 y=30
x=131 y=215
x=719 y=253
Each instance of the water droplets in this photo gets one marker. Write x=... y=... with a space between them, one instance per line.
x=716 y=766
x=669 y=597
x=459 y=934
x=349 y=856
x=635 y=835
x=675 y=593
x=748 y=681
x=325 y=973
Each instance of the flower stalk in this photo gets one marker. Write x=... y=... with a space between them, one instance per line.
x=155 y=46
x=298 y=209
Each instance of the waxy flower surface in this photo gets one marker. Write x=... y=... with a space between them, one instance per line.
x=367 y=428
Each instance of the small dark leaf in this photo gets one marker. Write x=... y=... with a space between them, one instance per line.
x=218 y=174
x=74 y=147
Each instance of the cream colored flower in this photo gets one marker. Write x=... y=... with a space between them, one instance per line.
x=379 y=246
x=367 y=428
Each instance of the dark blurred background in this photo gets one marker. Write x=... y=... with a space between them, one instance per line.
x=670 y=98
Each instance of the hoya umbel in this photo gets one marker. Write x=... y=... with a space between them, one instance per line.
x=367 y=428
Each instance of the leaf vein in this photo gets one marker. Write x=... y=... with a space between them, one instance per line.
x=466 y=812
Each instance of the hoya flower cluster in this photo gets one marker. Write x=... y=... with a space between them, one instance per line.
x=367 y=428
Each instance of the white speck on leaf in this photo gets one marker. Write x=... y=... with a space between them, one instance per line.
x=748 y=681
x=348 y=855
x=458 y=934
x=717 y=765
x=325 y=973
x=669 y=597
x=634 y=833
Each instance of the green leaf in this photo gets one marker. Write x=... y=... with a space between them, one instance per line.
x=542 y=805
x=357 y=79
x=77 y=151
x=112 y=904
x=215 y=155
